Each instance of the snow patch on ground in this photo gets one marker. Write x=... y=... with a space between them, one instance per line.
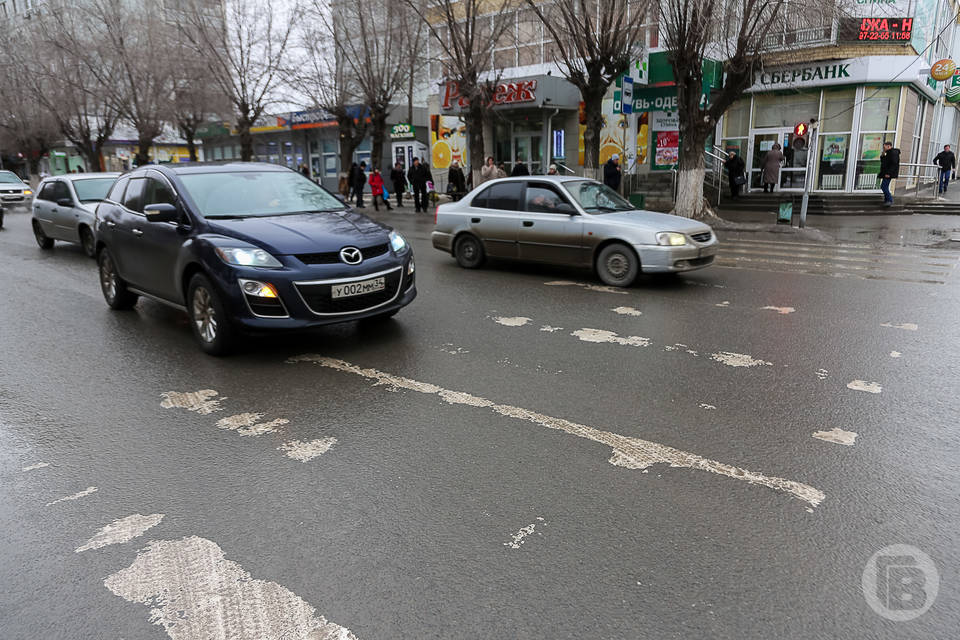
x=75 y=496
x=550 y=329
x=453 y=349
x=738 y=359
x=725 y=303
x=708 y=407
x=627 y=311
x=306 y=451
x=602 y=335
x=836 y=435
x=520 y=536
x=895 y=354
x=781 y=310
x=906 y=326
x=822 y=373
x=246 y=424
x=39 y=465
x=122 y=530
x=863 y=385
x=203 y=402
x=517 y=321
x=588 y=287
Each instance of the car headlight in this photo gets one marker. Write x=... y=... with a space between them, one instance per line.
x=249 y=257
x=397 y=243
x=258 y=289
x=671 y=239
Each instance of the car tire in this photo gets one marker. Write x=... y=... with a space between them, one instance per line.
x=469 y=252
x=114 y=289
x=45 y=242
x=208 y=317
x=618 y=265
x=87 y=242
x=1 y=219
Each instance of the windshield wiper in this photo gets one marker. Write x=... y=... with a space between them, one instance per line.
x=601 y=208
x=224 y=216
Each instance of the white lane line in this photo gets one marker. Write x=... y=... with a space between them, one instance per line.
x=517 y=321
x=588 y=287
x=306 y=451
x=895 y=354
x=906 y=326
x=863 y=385
x=602 y=335
x=203 y=402
x=781 y=310
x=521 y=536
x=738 y=359
x=822 y=374
x=122 y=530
x=193 y=591
x=837 y=436
x=33 y=467
x=75 y=496
x=627 y=311
x=628 y=452
x=246 y=424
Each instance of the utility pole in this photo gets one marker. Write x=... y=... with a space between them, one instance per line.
x=811 y=165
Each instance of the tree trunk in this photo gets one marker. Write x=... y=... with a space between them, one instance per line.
x=691 y=202
x=350 y=137
x=244 y=122
x=144 y=142
x=593 y=109
x=92 y=156
x=378 y=127
x=189 y=132
x=474 y=119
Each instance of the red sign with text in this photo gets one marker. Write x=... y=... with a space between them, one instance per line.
x=504 y=93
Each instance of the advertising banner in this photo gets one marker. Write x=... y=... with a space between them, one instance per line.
x=667 y=153
x=448 y=141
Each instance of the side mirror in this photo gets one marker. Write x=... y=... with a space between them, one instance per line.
x=567 y=208
x=65 y=202
x=161 y=212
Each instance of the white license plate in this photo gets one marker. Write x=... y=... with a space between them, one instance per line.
x=363 y=287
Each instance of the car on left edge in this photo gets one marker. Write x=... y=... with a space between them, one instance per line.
x=13 y=190
x=246 y=248
x=64 y=207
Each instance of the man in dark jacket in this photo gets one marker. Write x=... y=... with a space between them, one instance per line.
x=735 y=173
x=611 y=173
x=360 y=178
x=889 y=170
x=418 y=176
x=399 y=182
x=947 y=163
x=520 y=169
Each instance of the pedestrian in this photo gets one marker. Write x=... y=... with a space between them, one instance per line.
x=399 y=182
x=947 y=163
x=736 y=173
x=376 y=190
x=351 y=180
x=611 y=173
x=501 y=171
x=520 y=169
x=456 y=183
x=772 y=161
x=488 y=171
x=552 y=171
x=304 y=170
x=889 y=170
x=418 y=176
x=361 y=180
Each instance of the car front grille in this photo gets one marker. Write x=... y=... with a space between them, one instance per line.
x=333 y=257
x=702 y=237
x=317 y=296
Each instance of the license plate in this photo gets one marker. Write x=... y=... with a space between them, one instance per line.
x=363 y=287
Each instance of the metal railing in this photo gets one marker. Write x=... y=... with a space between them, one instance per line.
x=917 y=174
x=714 y=159
x=797 y=38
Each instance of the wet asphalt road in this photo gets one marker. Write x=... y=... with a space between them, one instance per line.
x=406 y=526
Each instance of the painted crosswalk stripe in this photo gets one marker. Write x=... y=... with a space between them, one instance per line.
x=628 y=452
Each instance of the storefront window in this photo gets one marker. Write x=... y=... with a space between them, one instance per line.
x=838 y=107
x=868 y=164
x=832 y=158
x=880 y=108
x=218 y=153
x=736 y=121
x=784 y=110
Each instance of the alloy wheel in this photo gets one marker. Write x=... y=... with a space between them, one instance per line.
x=204 y=315
x=108 y=279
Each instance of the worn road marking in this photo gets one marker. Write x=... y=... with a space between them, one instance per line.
x=520 y=536
x=452 y=349
x=305 y=451
x=588 y=287
x=627 y=311
x=246 y=424
x=203 y=402
x=75 y=496
x=122 y=530
x=517 y=321
x=895 y=354
x=193 y=591
x=602 y=335
x=906 y=326
x=863 y=385
x=725 y=303
x=781 y=310
x=550 y=329
x=628 y=452
x=704 y=405
x=738 y=359
x=39 y=465
x=822 y=374
x=838 y=436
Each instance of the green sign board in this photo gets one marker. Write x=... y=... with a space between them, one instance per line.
x=402 y=131
x=212 y=130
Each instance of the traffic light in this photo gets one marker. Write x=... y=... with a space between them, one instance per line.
x=801 y=129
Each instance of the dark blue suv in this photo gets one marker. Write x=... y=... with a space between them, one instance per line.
x=246 y=247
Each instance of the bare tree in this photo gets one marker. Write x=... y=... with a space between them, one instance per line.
x=465 y=33
x=594 y=42
x=245 y=44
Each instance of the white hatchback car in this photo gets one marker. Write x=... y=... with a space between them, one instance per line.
x=64 y=208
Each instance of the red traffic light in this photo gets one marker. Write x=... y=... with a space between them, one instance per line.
x=801 y=129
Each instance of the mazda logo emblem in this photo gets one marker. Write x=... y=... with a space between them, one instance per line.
x=351 y=255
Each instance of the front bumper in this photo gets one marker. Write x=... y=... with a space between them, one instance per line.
x=688 y=257
x=13 y=197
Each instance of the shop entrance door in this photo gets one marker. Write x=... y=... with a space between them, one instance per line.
x=530 y=149
x=793 y=173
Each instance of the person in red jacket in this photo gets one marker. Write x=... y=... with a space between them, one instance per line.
x=376 y=190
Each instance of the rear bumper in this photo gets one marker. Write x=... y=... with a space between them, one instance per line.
x=659 y=259
x=442 y=241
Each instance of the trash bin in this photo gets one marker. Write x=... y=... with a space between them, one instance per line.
x=638 y=199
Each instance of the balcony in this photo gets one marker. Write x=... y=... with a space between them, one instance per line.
x=818 y=36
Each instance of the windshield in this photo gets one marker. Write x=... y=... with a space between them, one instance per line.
x=93 y=189
x=597 y=198
x=8 y=177
x=244 y=194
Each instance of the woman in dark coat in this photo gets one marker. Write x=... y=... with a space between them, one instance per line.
x=735 y=173
x=772 y=162
x=399 y=181
x=457 y=184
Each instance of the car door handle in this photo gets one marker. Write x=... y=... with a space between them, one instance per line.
x=54 y=210
x=110 y=223
x=528 y=223
x=474 y=220
x=137 y=232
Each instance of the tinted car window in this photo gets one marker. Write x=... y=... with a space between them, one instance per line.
x=157 y=192
x=543 y=198
x=46 y=193
x=8 y=177
x=60 y=191
x=480 y=200
x=116 y=193
x=504 y=195
x=133 y=199
x=92 y=189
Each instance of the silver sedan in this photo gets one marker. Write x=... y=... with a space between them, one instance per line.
x=64 y=208
x=570 y=221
